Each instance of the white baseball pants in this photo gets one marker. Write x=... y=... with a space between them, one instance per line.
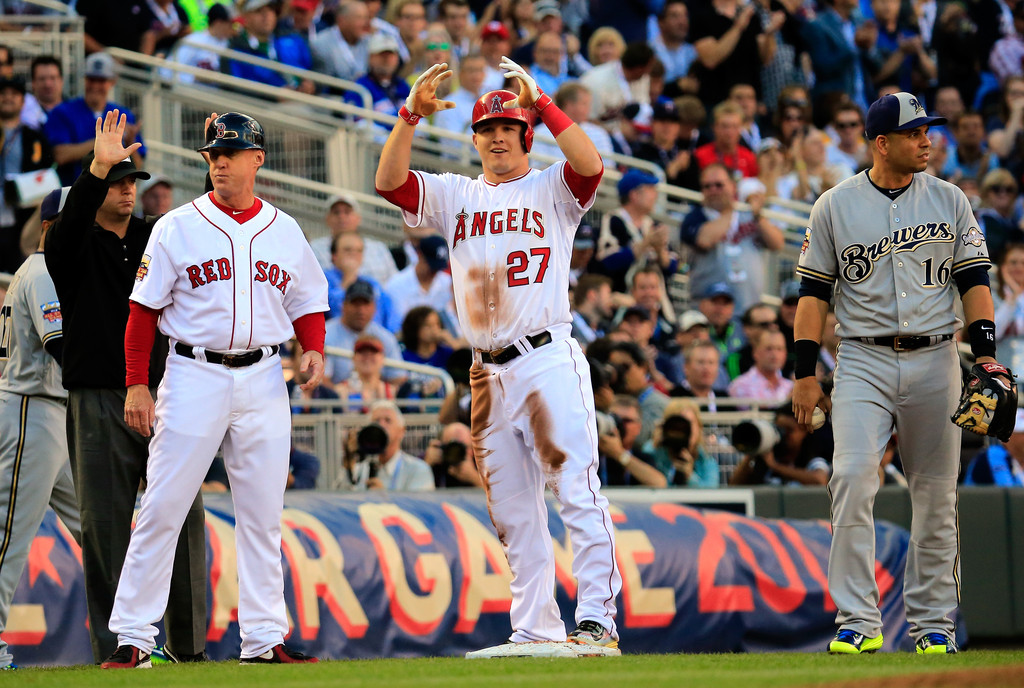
x=200 y=406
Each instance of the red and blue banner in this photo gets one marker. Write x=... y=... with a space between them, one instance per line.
x=410 y=576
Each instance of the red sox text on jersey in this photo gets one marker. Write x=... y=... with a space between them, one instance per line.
x=204 y=273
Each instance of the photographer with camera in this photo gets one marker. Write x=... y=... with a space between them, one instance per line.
x=451 y=457
x=781 y=452
x=677 y=447
x=616 y=431
x=374 y=459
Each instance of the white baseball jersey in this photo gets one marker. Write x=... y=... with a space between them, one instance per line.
x=510 y=266
x=29 y=318
x=227 y=286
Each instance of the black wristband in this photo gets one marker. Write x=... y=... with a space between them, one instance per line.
x=806 y=351
x=983 y=338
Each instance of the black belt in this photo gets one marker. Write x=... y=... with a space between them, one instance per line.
x=229 y=360
x=505 y=355
x=905 y=343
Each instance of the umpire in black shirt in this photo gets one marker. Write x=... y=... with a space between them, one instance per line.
x=92 y=253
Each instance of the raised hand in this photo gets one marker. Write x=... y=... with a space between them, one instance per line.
x=109 y=148
x=422 y=98
x=529 y=93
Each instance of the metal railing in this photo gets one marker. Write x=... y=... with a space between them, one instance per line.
x=60 y=36
x=319 y=146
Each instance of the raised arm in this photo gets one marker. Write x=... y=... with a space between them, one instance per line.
x=577 y=147
x=393 y=167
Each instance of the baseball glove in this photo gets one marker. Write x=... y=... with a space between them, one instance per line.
x=988 y=404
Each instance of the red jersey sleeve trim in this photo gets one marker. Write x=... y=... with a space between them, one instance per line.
x=406 y=197
x=582 y=188
x=139 y=336
x=310 y=330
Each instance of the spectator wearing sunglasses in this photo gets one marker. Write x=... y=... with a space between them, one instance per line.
x=996 y=214
x=848 y=146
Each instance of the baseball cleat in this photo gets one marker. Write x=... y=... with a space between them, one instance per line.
x=593 y=634
x=848 y=642
x=127 y=657
x=936 y=644
x=279 y=654
x=542 y=648
x=165 y=655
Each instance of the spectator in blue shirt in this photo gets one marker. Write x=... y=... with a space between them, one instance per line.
x=347 y=251
x=386 y=88
x=259 y=40
x=71 y=126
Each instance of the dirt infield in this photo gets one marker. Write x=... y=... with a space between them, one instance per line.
x=996 y=677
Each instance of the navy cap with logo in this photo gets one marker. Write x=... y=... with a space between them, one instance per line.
x=360 y=289
x=897 y=112
x=435 y=250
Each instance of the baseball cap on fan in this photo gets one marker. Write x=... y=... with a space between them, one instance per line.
x=347 y=199
x=360 y=289
x=381 y=42
x=546 y=8
x=494 y=29
x=119 y=171
x=897 y=112
x=692 y=319
x=435 y=250
x=99 y=66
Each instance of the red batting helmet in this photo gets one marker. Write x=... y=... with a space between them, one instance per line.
x=489 y=106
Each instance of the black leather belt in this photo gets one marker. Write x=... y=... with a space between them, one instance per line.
x=241 y=360
x=500 y=356
x=905 y=343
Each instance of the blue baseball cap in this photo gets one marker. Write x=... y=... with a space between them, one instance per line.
x=897 y=112
x=718 y=289
x=53 y=203
x=435 y=250
x=634 y=178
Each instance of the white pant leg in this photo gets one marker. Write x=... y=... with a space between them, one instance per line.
x=555 y=412
x=256 y=458
x=191 y=420
x=514 y=484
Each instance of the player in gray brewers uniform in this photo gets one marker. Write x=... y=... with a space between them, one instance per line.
x=896 y=245
x=34 y=466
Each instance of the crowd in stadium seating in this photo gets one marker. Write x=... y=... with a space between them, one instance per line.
x=751 y=101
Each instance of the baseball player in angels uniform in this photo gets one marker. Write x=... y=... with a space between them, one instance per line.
x=34 y=465
x=510 y=233
x=895 y=246
x=226 y=277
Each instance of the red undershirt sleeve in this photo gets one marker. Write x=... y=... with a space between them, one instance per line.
x=583 y=188
x=139 y=336
x=406 y=197
x=310 y=331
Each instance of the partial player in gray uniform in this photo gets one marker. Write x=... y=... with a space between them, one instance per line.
x=896 y=245
x=34 y=466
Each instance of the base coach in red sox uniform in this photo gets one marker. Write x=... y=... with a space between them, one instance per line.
x=92 y=253
x=226 y=277
x=511 y=232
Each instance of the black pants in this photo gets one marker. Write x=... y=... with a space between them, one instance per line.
x=108 y=461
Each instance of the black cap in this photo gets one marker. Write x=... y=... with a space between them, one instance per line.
x=665 y=112
x=636 y=312
x=360 y=289
x=16 y=84
x=119 y=171
x=435 y=249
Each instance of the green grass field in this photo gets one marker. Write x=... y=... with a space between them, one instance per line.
x=979 y=668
